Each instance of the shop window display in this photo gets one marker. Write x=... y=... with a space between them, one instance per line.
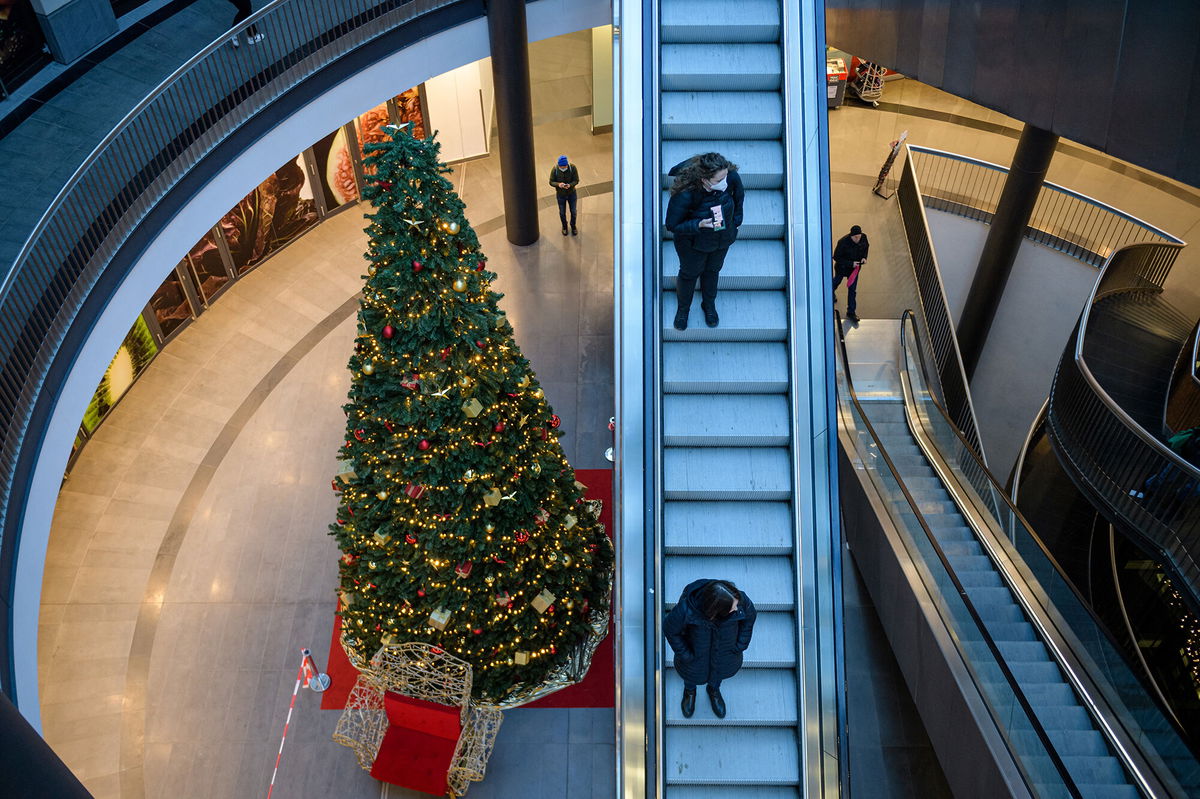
x=170 y=305
x=281 y=208
x=134 y=355
x=408 y=109
x=21 y=42
x=208 y=267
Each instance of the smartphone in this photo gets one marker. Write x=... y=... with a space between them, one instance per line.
x=718 y=218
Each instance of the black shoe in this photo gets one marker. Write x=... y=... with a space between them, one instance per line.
x=681 y=321
x=688 y=705
x=853 y=317
x=564 y=230
x=574 y=232
x=710 y=317
x=717 y=702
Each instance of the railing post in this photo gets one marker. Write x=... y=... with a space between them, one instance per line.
x=1007 y=231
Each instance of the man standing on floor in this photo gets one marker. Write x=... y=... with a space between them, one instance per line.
x=564 y=178
x=848 y=258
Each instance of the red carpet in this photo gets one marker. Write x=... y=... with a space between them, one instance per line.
x=597 y=688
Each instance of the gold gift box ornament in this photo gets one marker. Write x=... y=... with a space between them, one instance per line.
x=439 y=618
x=472 y=408
x=542 y=601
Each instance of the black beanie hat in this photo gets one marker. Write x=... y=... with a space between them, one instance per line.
x=855 y=230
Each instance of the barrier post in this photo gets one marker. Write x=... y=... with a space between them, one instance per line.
x=314 y=679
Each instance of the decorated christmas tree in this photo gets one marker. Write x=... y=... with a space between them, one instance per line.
x=460 y=521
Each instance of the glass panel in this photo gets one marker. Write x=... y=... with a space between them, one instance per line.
x=269 y=217
x=408 y=104
x=170 y=305
x=1006 y=710
x=21 y=42
x=133 y=356
x=207 y=267
x=1120 y=684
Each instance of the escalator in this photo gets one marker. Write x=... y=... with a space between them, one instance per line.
x=1074 y=717
x=726 y=419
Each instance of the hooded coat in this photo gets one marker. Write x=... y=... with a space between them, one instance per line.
x=706 y=651
x=686 y=209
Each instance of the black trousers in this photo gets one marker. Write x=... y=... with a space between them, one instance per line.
x=840 y=273
x=571 y=199
x=243 y=13
x=695 y=265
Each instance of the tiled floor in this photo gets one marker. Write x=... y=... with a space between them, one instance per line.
x=189 y=559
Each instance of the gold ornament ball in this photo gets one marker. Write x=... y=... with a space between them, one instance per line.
x=382 y=495
x=460 y=284
x=489 y=528
x=371 y=270
x=489 y=579
x=538 y=393
x=464 y=382
x=469 y=475
x=451 y=228
x=368 y=368
x=523 y=382
x=553 y=557
x=566 y=560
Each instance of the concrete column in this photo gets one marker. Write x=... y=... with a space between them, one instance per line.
x=514 y=118
x=74 y=27
x=1007 y=231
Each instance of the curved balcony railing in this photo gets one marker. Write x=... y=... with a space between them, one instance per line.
x=1182 y=409
x=1128 y=470
x=1063 y=219
x=148 y=153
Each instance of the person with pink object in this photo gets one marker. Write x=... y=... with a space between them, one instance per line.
x=848 y=258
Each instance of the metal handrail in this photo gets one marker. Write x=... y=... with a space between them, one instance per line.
x=1014 y=477
x=1094 y=414
x=935 y=308
x=1042 y=736
x=144 y=157
x=1064 y=219
x=1009 y=506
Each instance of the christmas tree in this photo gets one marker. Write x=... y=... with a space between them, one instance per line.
x=460 y=521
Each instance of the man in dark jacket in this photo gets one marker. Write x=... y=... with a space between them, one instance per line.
x=848 y=258
x=703 y=215
x=564 y=177
x=708 y=630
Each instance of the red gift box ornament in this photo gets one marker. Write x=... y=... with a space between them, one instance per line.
x=415 y=491
x=464 y=569
x=541 y=517
x=411 y=385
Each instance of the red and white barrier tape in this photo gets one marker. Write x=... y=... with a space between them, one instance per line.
x=279 y=755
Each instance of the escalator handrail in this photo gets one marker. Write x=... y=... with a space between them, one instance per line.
x=993 y=648
x=909 y=317
x=1014 y=477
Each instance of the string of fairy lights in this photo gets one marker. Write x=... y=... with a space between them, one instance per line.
x=460 y=520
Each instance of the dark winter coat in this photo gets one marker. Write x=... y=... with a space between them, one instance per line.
x=704 y=651
x=846 y=253
x=687 y=208
x=569 y=175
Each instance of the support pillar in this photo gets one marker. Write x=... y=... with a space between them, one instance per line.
x=1007 y=231
x=74 y=27
x=509 y=38
x=28 y=766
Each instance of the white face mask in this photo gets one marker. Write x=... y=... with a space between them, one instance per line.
x=718 y=186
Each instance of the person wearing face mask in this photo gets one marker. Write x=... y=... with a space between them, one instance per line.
x=564 y=177
x=848 y=258
x=708 y=630
x=703 y=215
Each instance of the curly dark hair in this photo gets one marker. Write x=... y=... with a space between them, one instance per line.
x=700 y=167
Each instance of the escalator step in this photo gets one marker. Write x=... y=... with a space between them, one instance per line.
x=973 y=579
x=1009 y=630
x=1025 y=652
x=727 y=367
x=773 y=645
x=719 y=20
x=720 y=66
x=1031 y=673
x=1055 y=694
x=742 y=528
x=711 y=756
x=996 y=604
x=1067 y=718
x=763 y=215
x=752 y=264
x=726 y=420
x=755 y=697
x=1097 y=771
x=760 y=166
x=733 y=792
x=745 y=316
x=725 y=115
x=752 y=473
x=1089 y=743
x=963 y=549
x=769 y=581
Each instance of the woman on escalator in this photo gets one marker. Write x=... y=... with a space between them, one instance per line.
x=708 y=630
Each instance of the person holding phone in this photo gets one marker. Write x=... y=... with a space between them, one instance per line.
x=564 y=177
x=703 y=215
x=848 y=258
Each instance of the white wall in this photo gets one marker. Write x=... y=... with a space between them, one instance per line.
x=456 y=108
x=1042 y=300
x=431 y=56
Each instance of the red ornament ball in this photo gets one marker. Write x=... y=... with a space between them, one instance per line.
x=424 y=445
x=417 y=266
x=555 y=422
x=388 y=331
x=385 y=184
x=420 y=592
x=479 y=266
x=360 y=434
x=477 y=631
x=480 y=344
x=499 y=428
